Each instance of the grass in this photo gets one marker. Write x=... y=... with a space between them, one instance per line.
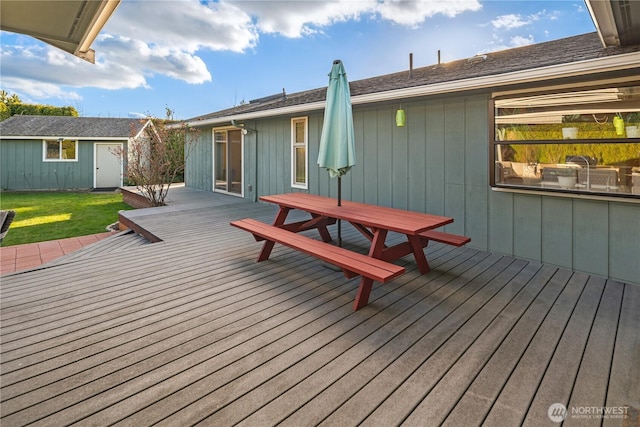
x=42 y=216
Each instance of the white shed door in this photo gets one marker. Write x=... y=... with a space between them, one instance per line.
x=108 y=167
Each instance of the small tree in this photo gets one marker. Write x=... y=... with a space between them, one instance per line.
x=157 y=156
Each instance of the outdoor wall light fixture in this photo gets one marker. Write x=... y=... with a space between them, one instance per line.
x=401 y=117
x=242 y=127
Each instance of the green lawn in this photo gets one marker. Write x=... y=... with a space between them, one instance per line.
x=42 y=216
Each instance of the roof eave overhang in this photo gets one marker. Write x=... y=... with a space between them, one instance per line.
x=99 y=20
x=602 y=16
x=72 y=25
x=71 y=138
x=538 y=75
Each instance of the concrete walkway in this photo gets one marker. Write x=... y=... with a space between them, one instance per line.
x=23 y=257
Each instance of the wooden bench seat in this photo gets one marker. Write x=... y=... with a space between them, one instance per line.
x=352 y=263
x=448 y=238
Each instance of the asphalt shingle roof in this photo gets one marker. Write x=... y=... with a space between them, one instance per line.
x=564 y=51
x=68 y=126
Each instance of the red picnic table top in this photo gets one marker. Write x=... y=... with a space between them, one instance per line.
x=371 y=216
x=374 y=222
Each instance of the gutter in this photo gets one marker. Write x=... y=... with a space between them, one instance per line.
x=602 y=16
x=626 y=61
x=83 y=50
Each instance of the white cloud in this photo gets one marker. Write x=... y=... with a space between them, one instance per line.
x=509 y=21
x=47 y=65
x=412 y=13
x=515 y=41
x=185 y=25
x=518 y=41
x=42 y=71
x=145 y=39
x=140 y=59
x=37 y=90
x=300 y=18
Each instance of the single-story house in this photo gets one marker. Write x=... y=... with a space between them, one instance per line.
x=482 y=143
x=64 y=152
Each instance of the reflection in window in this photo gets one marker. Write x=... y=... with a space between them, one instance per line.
x=60 y=150
x=612 y=113
x=579 y=141
x=596 y=168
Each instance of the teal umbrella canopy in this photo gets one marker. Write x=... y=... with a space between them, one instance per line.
x=337 y=143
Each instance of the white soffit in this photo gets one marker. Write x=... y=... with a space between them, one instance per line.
x=70 y=25
x=617 y=21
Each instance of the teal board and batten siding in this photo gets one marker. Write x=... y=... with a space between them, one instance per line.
x=199 y=170
x=22 y=167
x=594 y=236
x=439 y=163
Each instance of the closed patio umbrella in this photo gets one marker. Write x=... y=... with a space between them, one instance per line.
x=337 y=143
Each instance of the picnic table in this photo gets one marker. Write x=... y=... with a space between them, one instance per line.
x=374 y=222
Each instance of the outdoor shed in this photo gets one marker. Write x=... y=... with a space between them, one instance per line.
x=483 y=143
x=64 y=152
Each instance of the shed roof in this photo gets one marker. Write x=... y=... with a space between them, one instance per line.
x=69 y=126
x=557 y=52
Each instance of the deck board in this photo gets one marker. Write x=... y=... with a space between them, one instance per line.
x=624 y=381
x=191 y=330
x=513 y=323
x=444 y=346
x=559 y=377
x=334 y=359
x=590 y=386
x=520 y=361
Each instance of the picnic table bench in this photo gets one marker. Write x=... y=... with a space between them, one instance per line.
x=374 y=222
x=351 y=263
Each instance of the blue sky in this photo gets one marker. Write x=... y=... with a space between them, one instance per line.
x=197 y=57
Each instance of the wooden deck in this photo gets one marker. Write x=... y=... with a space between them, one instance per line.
x=192 y=331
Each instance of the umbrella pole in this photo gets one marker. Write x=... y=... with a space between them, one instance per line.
x=326 y=264
x=339 y=204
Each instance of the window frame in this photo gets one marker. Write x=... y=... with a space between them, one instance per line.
x=214 y=158
x=296 y=145
x=60 y=142
x=494 y=143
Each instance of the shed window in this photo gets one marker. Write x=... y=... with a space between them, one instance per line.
x=580 y=141
x=299 y=144
x=60 y=150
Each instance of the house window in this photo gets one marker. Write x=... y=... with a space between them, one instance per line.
x=575 y=141
x=299 y=144
x=60 y=150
